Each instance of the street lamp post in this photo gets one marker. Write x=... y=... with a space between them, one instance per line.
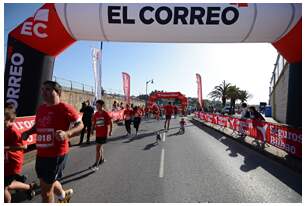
x=147 y=82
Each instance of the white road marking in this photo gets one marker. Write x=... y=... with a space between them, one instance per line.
x=161 y=166
x=164 y=136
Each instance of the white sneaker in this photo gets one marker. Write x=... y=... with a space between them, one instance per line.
x=68 y=195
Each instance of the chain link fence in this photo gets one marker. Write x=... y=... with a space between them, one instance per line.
x=84 y=88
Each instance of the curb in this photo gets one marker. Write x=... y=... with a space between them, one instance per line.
x=269 y=150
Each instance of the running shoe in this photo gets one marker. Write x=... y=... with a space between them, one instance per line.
x=102 y=161
x=68 y=195
x=94 y=167
x=31 y=192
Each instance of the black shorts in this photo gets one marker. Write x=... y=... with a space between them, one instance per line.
x=50 y=169
x=101 y=140
x=168 y=116
x=9 y=179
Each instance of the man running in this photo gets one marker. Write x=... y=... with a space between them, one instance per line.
x=127 y=116
x=100 y=121
x=168 y=109
x=52 y=122
x=137 y=118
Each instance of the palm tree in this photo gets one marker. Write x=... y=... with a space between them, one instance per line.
x=220 y=92
x=233 y=95
x=244 y=95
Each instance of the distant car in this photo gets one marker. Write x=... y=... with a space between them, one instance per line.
x=226 y=110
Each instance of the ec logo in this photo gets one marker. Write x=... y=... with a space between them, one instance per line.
x=28 y=28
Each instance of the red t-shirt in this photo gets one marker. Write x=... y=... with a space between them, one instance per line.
x=48 y=120
x=101 y=120
x=13 y=160
x=128 y=113
x=168 y=109
x=137 y=113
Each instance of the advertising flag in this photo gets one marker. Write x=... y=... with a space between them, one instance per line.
x=96 y=65
x=199 y=81
x=126 y=86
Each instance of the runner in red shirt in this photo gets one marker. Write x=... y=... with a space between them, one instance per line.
x=101 y=120
x=13 y=157
x=168 y=112
x=137 y=118
x=52 y=122
x=127 y=116
x=156 y=111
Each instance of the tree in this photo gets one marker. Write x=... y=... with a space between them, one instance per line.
x=244 y=95
x=221 y=92
x=233 y=95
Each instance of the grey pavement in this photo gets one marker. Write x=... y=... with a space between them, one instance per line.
x=202 y=165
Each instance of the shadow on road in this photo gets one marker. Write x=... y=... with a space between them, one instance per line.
x=113 y=139
x=76 y=176
x=174 y=134
x=251 y=160
x=140 y=136
x=149 y=146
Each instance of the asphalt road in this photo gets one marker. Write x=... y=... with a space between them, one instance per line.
x=201 y=165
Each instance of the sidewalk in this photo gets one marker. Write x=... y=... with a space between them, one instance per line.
x=267 y=149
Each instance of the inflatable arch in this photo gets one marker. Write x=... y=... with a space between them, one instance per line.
x=168 y=95
x=34 y=44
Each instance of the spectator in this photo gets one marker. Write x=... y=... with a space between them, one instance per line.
x=114 y=107
x=244 y=113
x=121 y=105
x=255 y=115
x=87 y=111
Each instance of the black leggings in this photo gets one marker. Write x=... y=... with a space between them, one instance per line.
x=128 y=126
x=137 y=123
x=87 y=127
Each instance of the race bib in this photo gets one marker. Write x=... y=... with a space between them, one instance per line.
x=45 y=137
x=100 y=122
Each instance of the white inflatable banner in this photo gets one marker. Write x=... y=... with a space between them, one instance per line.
x=179 y=22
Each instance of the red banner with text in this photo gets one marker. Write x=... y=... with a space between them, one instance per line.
x=26 y=123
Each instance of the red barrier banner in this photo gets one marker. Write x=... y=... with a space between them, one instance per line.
x=283 y=137
x=222 y=121
x=25 y=123
x=117 y=115
x=286 y=138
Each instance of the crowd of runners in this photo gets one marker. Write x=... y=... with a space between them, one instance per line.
x=55 y=123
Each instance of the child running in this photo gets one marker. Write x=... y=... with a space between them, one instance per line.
x=13 y=158
x=182 y=126
x=101 y=121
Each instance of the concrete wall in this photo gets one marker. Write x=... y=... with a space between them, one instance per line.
x=294 y=107
x=279 y=98
x=286 y=97
x=76 y=97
